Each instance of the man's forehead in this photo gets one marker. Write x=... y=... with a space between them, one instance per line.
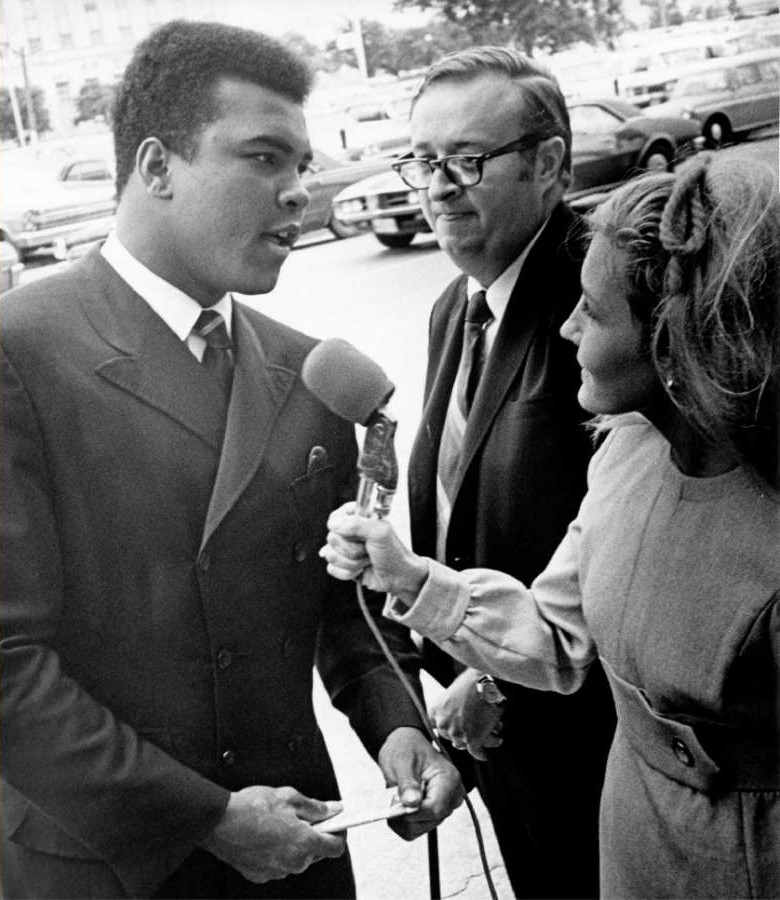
x=468 y=111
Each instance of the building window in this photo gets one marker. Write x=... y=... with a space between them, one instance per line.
x=125 y=33
x=34 y=45
x=96 y=37
x=63 y=91
x=66 y=41
x=90 y=6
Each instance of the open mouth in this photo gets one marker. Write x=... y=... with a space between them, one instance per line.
x=284 y=237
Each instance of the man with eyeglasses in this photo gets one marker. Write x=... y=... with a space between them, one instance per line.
x=499 y=463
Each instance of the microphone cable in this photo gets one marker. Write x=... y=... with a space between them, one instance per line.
x=429 y=730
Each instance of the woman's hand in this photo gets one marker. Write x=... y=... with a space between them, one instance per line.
x=370 y=550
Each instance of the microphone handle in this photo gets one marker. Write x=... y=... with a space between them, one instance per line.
x=365 y=493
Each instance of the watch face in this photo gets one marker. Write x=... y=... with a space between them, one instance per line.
x=490 y=692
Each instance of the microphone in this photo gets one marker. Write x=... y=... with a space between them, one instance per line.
x=355 y=388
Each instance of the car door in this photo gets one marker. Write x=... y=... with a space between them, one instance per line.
x=744 y=96
x=602 y=148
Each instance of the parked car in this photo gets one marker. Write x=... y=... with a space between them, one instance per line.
x=324 y=179
x=727 y=98
x=11 y=265
x=45 y=212
x=377 y=127
x=611 y=140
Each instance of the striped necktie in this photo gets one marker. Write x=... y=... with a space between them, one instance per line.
x=472 y=361
x=218 y=353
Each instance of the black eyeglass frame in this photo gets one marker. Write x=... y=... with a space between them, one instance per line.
x=479 y=159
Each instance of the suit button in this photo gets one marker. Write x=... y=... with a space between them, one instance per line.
x=204 y=562
x=228 y=758
x=682 y=753
x=295 y=743
x=224 y=659
x=460 y=562
x=299 y=551
x=288 y=648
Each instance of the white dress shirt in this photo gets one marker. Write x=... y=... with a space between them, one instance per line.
x=498 y=294
x=179 y=311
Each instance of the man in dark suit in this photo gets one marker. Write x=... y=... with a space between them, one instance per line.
x=496 y=476
x=166 y=482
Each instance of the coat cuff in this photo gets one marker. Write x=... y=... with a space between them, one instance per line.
x=440 y=607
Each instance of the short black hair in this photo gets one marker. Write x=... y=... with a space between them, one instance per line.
x=167 y=90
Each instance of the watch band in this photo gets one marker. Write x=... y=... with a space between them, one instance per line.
x=489 y=691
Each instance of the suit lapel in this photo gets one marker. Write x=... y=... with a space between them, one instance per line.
x=443 y=378
x=149 y=362
x=260 y=390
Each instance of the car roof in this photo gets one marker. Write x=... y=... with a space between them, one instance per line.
x=731 y=62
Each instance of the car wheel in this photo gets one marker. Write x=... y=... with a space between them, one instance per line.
x=341 y=229
x=717 y=131
x=394 y=241
x=657 y=159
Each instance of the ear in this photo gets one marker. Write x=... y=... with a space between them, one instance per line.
x=549 y=159
x=152 y=162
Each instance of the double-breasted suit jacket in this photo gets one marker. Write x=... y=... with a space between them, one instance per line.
x=521 y=477
x=163 y=601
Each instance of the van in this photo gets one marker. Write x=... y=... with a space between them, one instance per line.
x=654 y=70
x=730 y=96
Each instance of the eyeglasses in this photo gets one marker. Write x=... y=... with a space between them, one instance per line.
x=464 y=170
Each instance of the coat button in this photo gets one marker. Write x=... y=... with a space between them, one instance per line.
x=295 y=743
x=204 y=562
x=682 y=753
x=228 y=758
x=299 y=551
x=224 y=659
x=288 y=648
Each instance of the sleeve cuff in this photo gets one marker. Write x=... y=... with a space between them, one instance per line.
x=440 y=607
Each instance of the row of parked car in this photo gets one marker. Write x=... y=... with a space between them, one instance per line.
x=722 y=100
x=612 y=140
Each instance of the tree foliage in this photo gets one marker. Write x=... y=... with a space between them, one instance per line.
x=396 y=50
x=7 y=121
x=94 y=102
x=529 y=25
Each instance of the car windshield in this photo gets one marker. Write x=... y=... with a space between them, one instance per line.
x=702 y=83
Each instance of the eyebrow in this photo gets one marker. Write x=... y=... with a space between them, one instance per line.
x=270 y=140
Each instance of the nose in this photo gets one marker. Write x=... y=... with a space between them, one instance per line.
x=294 y=195
x=441 y=187
x=570 y=330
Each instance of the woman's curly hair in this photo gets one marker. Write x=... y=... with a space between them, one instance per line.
x=703 y=270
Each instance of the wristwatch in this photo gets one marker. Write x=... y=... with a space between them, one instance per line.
x=489 y=690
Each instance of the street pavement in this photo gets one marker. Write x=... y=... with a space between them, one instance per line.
x=389 y=868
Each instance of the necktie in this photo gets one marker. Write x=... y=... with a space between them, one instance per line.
x=472 y=360
x=218 y=354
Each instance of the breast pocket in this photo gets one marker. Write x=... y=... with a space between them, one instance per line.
x=315 y=498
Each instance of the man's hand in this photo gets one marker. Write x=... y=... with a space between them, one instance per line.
x=461 y=716
x=424 y=778
x=264 y=833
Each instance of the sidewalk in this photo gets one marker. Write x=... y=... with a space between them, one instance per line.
x=388 y=868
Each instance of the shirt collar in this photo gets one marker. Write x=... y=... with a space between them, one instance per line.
x=178 y=310
x=498 y=294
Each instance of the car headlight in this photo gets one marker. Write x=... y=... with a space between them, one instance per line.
x=412 y=198
x=688 y=114
x=28 y=221
x=349 y=207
